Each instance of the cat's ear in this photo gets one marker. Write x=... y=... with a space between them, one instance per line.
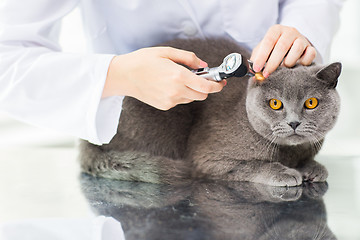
x=330 y=74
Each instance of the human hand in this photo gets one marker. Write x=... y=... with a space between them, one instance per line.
x=282 y=44
x=153 y=76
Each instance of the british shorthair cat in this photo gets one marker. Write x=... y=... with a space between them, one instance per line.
x=257 y=131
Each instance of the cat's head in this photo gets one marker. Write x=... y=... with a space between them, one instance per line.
x=295 y=105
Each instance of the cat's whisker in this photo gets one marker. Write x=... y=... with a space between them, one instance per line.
x=320 y=230
x=266 y=144
x=316 y=143
x=276 y=128
x=318 y=136
x=265 y=148
x=313 y=142
x=272 y=147
x=276 y=147
x=262 y=149
x=267 y=136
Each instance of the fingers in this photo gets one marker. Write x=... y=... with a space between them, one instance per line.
x=192 y=81
x=280 y=49
x=298 y=48
x=183 y=86
x=265 y=48
x=308 y=56
x=203 y=85
x=183 y=57
x=186 y=95
x=187 y=87
x=282 y=44
x=153 y=76
x=190 y=95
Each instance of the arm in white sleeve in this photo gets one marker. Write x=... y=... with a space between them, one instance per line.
x=317 y=20
x=44 y=87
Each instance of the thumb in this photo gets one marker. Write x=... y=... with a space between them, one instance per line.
x=184 y=57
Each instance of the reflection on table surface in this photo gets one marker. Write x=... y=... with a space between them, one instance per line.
x=38 y=184
x=211 y=210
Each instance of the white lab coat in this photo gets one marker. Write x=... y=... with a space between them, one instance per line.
x=62 y=91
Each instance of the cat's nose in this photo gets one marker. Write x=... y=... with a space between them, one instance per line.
x=294 y=125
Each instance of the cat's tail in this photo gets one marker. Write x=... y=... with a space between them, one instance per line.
x=132 y=166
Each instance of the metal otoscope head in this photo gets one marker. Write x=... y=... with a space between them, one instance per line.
x=234 y=65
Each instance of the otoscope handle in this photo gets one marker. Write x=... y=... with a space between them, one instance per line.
x=209 y=73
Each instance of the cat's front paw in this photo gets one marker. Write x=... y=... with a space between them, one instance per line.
x=314 y=172
x=279 y=175
x=279 y=194
x=315 y=190
x=289 y=177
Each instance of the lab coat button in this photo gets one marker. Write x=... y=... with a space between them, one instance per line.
x=189 y=28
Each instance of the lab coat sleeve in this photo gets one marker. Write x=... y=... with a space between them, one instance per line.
x=45 y=87
x=317 y=20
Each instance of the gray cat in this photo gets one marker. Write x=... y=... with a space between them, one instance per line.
x=265 y=132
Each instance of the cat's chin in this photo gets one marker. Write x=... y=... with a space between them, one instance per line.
x=292 y=140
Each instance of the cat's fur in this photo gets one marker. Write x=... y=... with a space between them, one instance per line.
x=233 y=135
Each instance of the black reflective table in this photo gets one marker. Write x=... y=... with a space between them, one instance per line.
x=211 y=210
x=46 y=185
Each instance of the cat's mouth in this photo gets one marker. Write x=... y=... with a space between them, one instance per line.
x=287 y=133
x=292 y=138
x=295 y=135
x=291 y=135
x=288 y=136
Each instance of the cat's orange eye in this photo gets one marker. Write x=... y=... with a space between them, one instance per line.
x=275 y=104
x=311 y=103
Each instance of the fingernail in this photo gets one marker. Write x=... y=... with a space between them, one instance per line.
x=266 y=74
x=203 y=64
x=225 y=82
x=256 y=68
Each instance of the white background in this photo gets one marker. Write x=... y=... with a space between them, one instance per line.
x=344 y=139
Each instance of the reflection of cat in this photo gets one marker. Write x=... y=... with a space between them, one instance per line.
x=260 y=214
x=266 y=132
x=216 y=210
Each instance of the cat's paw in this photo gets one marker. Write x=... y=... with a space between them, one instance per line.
x=288 y=177
x=315 y=190
x=279 y=175
x=314 y=172
x=279 y=194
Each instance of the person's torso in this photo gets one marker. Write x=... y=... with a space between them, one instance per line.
x=118 y=26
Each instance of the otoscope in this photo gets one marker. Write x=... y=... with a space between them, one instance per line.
x=234 y=65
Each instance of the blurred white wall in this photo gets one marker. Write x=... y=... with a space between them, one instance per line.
x=14 y=133
x=344 y=139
